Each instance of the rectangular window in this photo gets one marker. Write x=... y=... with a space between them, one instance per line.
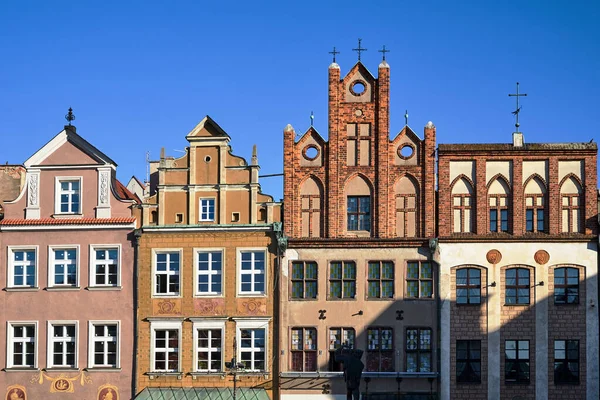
x=104 y=345
x=63 y=267
x=419 y=280
x=498 y=213
x=566 y=285
x=165 y=342
x=359 y=213
x=380 y=280
x=22 y=351
x=209 y=349
x=62 y=345
x=304 y=280
x=418 y=350
x=166 y=273
x=342 y=280
x=462 y=210
x=209 y=273
x=22 y=269
x=529 y=220
x=207 y=209
x=468 y=361
x=304 y=349
x=252 y=272
x=253 y=349
x=493 y=220
x=339 y=337
x=380 y=350
x=566 y=361
x=468 y=286
x=517 y=286
x=104 y=266
x=516 y=361
x=68 y=196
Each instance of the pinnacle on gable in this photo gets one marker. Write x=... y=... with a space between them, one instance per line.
x=334 y=65
x=384 y=64
x=430 y=125
x=288 y=128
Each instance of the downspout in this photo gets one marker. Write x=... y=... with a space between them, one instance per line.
x=137 y=233
x=433 y=248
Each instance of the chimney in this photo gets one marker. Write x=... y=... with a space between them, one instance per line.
x=518 y=139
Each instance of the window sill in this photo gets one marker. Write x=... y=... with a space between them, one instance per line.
x=380 y=298
x=67 y=215
x=166 y=296
x=20 y=369
x=197 y=374
x=62 y=369
x=342 y=299
x=22 y=289
x=103 y=288
x=419 y=298
x=358 y=234
x=102 y=369
x=302 y=299
x=251 y=295
x=62 y=288
x=209 y=295
x=157 y=374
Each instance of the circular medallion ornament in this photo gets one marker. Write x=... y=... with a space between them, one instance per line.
x=493 y=256
x=541 y=257
x=358 y=112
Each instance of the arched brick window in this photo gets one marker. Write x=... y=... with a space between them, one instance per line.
x=463 y=208
x=498 y=203
x=358 y=205
x=311 y=197
x=535 y=205
x=407 y=207
x=571 y=199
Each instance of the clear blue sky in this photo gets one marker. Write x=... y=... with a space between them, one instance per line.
x=141 y=74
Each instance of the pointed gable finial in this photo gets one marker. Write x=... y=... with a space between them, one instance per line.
x=334 y=52
x=518 y=110
x=359 y=49
x=312 y=118
x=383 y=51
x=406 y=117
x=70 y=117
x=254 y=160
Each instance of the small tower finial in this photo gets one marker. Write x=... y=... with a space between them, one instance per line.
x=254 y=160
x=312 y=118
x=70 y=116
x=334 y=52
x=406 y=117
x=359 y=49
x=383 y=51
x=518 y=110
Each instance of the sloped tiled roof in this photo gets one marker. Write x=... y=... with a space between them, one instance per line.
x=124 y=193
x=67 y=221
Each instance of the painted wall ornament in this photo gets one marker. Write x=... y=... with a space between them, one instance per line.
x=493 y=256
x=16 y=392
x=104 y=188
x=108 y=392
x=63 y=383
x=541 y=257
x=33 y=190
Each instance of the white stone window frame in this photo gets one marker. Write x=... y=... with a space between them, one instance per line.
x=255 y=323
x=52 y=340
x=251 y=293
x=10 y=341
x=58 y=191
x=159 y=326
x=92 y=265
x=202 y=324
x=52 y=262
x=92 y=341
x=205 y=216
x=10 y=276
x=197 y=273
x=155 y=253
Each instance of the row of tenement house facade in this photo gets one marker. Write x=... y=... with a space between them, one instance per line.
x=482 y=284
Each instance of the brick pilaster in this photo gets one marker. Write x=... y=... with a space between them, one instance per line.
x=382 y=196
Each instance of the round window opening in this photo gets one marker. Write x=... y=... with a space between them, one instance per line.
x=358 y=88
x=406 y=151
x=207 y=159
x=311 y=152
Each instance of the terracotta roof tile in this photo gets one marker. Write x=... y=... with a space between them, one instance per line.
x=124 y=193
x=67 y=221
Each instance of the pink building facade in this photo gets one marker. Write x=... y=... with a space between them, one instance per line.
x=67 y=304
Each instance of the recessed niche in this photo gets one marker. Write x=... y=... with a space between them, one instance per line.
x=178 y=218
x=406 y=151
x=311 y=152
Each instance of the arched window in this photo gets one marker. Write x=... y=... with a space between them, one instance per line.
x=407 y=207
x=468 y=286
x=498 y=200
x=358 y=205
x=535 y=206
x=462 y=206
x=570 y=193
x=311 y=196
x=566 y=285
x=516 y=291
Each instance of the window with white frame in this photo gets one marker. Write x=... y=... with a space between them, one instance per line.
x=22 y=267
x=104 y=266
x=68 y=196
x=63 y=267
x=167 y=268
x=62 y=344
x=252 y=344
x=209 y=273
x=104 y=345
x=252 y=272
x=208 y=345
x=165 y=346
x=207 y=209
x=21 y=345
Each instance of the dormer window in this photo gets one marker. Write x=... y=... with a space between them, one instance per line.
x=68 y=195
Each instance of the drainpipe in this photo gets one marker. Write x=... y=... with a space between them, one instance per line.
x=433 y=247
x=137 y=233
